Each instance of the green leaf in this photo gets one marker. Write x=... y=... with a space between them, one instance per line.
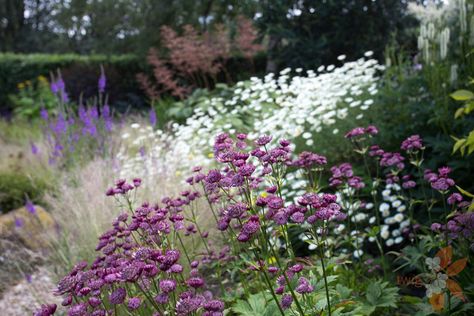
x=343 y=291
x=462 y=95
x=255 y=305
x=378 y=294
x=374 y=291
x=458 y=145
x=464 y=192
x=459 y=112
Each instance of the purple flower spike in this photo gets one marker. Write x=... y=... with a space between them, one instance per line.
x=102 y=80
x=30 y=207
x=153 y=118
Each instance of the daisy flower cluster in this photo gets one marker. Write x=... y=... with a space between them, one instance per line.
x=293 y=105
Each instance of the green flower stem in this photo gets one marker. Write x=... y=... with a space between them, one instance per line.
x=321 y=257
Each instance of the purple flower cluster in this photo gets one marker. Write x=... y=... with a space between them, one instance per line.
x=412 y=144
x=46 y=310
x=439 y=181
x=343 y=174
x=136 y=254
x=361 y=131
x=390 y=159
x=321 y=207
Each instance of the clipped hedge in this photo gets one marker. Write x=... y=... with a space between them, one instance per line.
x=79 y=72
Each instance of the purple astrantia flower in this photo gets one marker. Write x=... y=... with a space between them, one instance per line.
x=167 y=286
x=30 y=207
x=308 y=159
x=102 y=80
x=286 y=301
x=46 y=310
x=412 y=143
x=263 y=140
x=162 y=298
x=78 y=310
x=195 y=282
x=118 y=296
x=358 y=131
x=361 y=131
x=454 y=198
x=390 y=159
x=304 y=286
x=440 y=181
x=152 y=115
x=215 y=306
x=462 y=226
x=436 y=227
x=134 y=303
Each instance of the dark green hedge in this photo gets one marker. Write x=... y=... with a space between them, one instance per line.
x=79 y=72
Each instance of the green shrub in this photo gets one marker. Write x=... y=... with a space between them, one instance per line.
x=15 y=188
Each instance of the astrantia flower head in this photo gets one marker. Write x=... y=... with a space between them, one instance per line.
x=167 y=286
x=134 y=303
x=46 y=310
x=263 y=140
x=118 y=296
x=304 y=286
x=286 y=301
x=412 y=143
x=358 y=131
x=308 y=159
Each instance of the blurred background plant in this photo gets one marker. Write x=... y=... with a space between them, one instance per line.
x=32 y=97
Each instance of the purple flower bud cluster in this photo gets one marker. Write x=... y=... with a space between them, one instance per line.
x=390 y=159
x=412 y=144
x=343 y=174
x=439 y=181
x=358 y=132
x=46 y=310
x=135 y=256
x=322 y=207
x=407 y=182
x=122 y=187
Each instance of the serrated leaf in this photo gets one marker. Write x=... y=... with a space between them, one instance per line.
x=373 y=293
x=462 y=95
